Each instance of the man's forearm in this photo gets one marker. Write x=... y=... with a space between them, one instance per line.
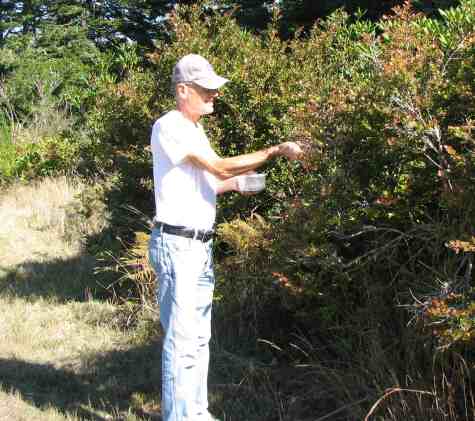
x=241 y=164
x=209 y=166
x=224 y=168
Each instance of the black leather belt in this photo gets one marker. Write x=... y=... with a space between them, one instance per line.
x=201 y=235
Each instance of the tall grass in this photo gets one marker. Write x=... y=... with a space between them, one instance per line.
x=7 y=148
x=42 y=216
x=43 y=227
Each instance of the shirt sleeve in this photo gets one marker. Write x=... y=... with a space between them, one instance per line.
x=173 y=143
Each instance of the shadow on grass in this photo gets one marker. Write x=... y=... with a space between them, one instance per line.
x=115 y=383
x=126 y=383
x=109 y=385
x=58 y=279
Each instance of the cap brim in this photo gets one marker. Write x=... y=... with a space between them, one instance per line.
x=214 y=82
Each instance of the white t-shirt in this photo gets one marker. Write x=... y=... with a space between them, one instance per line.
x=185 y=195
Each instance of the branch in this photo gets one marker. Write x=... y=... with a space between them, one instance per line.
x=389 y=393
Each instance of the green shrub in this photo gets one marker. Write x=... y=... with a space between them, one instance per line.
x=49 y=156
x=7 y=150
x=55 y=64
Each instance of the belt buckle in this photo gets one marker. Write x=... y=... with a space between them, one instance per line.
x=207 y=235
x=201 y=235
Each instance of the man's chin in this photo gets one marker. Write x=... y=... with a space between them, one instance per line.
x=208 y=109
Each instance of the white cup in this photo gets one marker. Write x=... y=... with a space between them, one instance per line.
x=251 y=182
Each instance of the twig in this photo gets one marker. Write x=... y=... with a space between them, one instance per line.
x=415 y=299
x=440 y=167
x=374 y=252
x=340 y=236
x=451 y=56
x=390 y=392
x=468 y=272
x=462 y=263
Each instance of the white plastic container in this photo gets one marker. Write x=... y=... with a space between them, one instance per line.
x=251 y=182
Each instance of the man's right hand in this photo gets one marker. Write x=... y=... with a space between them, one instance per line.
x=290 y=150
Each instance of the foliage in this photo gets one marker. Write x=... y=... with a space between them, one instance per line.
x=121 y=111
x=49 y=156
x=7 y=149
x=44 y=92
x=55 y=65
x=108 y=23
x=304 y=13
x=45 y=82
x=137 y=280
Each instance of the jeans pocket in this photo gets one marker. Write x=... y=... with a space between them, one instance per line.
x=154 y=247
x=176 y=244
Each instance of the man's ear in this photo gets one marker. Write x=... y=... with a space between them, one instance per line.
x=181 y=91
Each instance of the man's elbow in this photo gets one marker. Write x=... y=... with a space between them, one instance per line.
x=223 y=175
x=220 y=171
x=214 y=167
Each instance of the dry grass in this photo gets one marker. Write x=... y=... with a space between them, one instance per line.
x=36 y=223
x=64 y=356
x=63 y=359
x=44 y=333
x=13 y=407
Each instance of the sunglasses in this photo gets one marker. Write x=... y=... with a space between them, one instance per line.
x=205 y=91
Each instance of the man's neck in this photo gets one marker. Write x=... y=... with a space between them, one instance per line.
x=193 y=117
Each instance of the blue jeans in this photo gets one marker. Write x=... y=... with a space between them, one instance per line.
x=184 y=269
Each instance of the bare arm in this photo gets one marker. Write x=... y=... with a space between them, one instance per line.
x=224 y=186
x=224 y=168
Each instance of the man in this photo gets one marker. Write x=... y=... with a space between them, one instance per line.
x=188 y=175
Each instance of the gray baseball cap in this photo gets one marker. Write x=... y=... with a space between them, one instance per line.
x=195 y=68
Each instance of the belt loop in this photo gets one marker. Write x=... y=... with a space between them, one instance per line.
x=161 y=228
x=195 y=235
